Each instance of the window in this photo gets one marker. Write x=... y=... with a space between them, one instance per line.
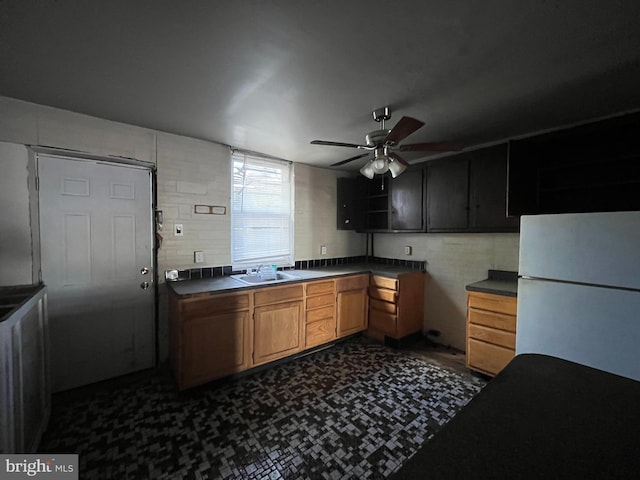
x=261 y=211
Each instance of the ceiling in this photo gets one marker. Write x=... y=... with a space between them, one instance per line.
x=270 y=76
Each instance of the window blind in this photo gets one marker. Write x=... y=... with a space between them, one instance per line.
x=261 y=211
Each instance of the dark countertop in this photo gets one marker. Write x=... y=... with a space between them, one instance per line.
x=499 y=282
x=226 y=284
x=15 y=296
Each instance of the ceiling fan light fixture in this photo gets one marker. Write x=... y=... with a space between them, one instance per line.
x=380 y=162
x=367 y=170
x=396 y=168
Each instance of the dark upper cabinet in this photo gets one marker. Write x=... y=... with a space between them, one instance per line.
x=351 y=203
x=468 y=192
x=488 y=191
x=448 y=194
x=383 y=204
x=589 y=168
x=406 y=202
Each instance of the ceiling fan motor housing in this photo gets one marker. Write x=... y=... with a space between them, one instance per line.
x=376 y=137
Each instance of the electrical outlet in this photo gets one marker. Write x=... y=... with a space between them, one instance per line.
x=323 y=249
x=198 y=256
x=407 y=250
x=178 y=230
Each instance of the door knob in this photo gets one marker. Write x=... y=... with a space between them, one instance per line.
x=144 y=285
x=144 y=271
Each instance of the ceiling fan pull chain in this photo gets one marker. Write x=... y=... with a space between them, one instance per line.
x=382 y=183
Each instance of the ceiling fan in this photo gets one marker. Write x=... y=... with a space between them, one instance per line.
x=383 y=143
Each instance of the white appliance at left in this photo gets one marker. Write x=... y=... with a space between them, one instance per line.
x=97 y=262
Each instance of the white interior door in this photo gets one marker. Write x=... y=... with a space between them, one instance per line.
x=96 y=238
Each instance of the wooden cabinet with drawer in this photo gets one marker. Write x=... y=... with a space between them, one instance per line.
x=278 y=323
x=396 y=305
x=491 y=331
x=320 y=309
x=351 y=304
x=210 y=336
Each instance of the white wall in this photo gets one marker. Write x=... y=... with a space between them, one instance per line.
x=453 y=261
x=15 y=234
x=196 y=172
x=189 y=172
x=193 y=172
x=315 y=217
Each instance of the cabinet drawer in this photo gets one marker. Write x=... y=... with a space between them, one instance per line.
x=318 y=288
x=493 y=320
x=486 y=357
x=321 y=300
x=354 y=282
x=206 y=306
x=320 y=314
x=491 y=335
x=493 y=303
x=320 y=332
x=383 y=294
x=384 y=282
x=277 y=295
x=385 y=307
x=383 y=322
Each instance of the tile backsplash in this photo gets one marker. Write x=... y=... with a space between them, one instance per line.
x=211 y=272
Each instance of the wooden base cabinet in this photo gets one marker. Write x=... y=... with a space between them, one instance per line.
x=210 y=337
x=277 y=331
x=320 y=307
x=352 y=304
x=396 y=305
x=215 y=335
x=491 y=331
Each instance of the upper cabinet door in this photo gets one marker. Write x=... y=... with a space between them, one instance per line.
x=350 y=203
x=407 y=201
x=448 y=194
x=488 y=191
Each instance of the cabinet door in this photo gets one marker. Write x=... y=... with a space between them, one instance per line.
x=352 y=311
x=351 y=197
x=278 y=331
x=214 y=346
x=407 y=201
x=488 y=191
x=447 y=194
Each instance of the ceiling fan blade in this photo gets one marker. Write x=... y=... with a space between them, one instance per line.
x=405 y=127
x=349 y=160
x=398 y=158
x=430 y=147
x=336 y=144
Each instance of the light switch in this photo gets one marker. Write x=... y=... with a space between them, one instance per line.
x=178 y=230
x=198 y=256
x=323 y=249
x=407 y=250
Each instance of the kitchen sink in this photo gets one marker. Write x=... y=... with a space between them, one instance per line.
x=257 y=280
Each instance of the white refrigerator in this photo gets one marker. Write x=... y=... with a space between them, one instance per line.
x=579 y=289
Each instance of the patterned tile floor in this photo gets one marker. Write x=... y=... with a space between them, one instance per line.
x=357 y=410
